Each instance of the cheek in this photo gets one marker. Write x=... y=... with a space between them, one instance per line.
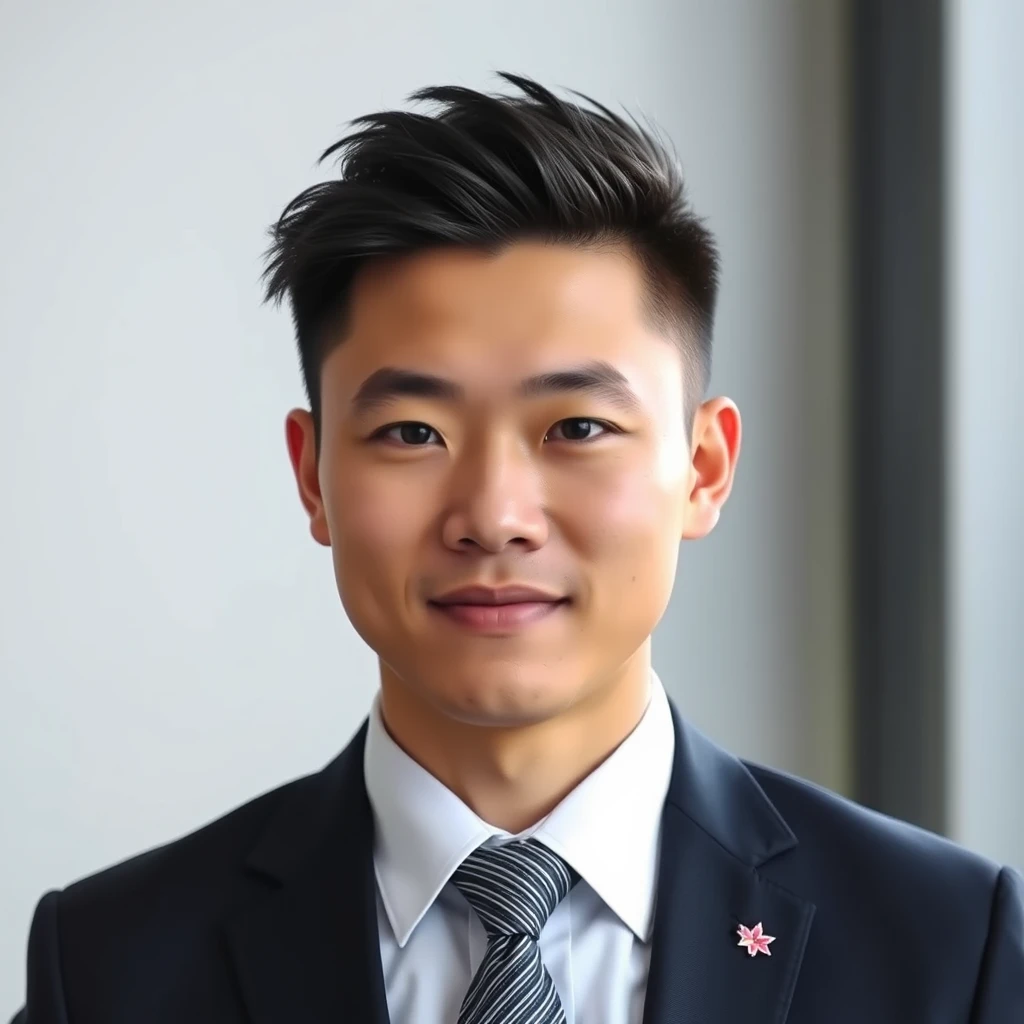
x=627 y=534
x=375 y=535
x=625 y=515
x=373 y=519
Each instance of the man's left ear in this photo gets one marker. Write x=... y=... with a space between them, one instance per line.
x=715 y=449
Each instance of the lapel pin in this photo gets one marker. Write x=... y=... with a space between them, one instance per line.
x=755 y=939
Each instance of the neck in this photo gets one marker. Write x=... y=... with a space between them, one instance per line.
x=513 y=776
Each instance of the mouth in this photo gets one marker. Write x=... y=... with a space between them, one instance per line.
x=498 y=619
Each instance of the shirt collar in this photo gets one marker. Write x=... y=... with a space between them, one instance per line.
x=607 y=828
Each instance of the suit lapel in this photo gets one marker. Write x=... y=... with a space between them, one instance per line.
x=306 y=948
x=718 y=828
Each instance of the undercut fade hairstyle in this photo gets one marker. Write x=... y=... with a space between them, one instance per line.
x=484 y=171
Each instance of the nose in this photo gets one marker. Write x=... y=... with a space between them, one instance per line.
x=496 y=500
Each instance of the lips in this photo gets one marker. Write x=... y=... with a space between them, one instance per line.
x=497 y=611
x=477 y=595
x=498 y=619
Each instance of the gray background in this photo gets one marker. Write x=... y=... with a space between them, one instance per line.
x=171 y=640
x=986 y=429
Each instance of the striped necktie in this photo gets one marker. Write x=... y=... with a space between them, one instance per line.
x=513 y=889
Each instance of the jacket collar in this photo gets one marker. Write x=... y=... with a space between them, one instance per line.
x=717 y=793
x=718 y=829
x=306 y=946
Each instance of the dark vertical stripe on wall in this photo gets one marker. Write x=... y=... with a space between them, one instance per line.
x=897 y=408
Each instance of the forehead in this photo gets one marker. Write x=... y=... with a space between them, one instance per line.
x=532 y=307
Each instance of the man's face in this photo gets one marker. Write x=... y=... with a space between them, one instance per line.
x=582 y=494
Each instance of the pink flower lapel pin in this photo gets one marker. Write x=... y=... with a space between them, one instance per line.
x=755 y=939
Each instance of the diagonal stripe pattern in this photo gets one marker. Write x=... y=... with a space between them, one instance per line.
x=513 y=889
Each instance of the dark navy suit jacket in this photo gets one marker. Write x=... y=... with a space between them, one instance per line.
x=268 y=914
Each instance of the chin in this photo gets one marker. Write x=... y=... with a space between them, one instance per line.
x=508 y=696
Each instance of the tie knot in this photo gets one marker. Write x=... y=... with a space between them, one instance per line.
x=514 y=887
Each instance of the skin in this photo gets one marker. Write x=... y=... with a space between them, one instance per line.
x=497 y=488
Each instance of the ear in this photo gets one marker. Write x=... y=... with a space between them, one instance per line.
x=715 y=448
x=301 y=441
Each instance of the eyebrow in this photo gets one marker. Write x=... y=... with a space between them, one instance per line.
x=596 y=378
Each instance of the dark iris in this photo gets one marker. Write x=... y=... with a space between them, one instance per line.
x=415 y=433
x=576 y=430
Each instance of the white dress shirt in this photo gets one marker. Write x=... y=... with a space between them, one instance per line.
x=596 y=944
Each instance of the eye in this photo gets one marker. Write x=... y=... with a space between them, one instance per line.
x=411 y=434
x=580 y=431
x=408 y=435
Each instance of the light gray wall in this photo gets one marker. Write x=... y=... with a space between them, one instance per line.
x=172 y=642
x=986 y=381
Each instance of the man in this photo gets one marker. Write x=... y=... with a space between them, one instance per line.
x=504 y=316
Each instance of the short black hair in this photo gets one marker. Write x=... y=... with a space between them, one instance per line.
x=484 y=171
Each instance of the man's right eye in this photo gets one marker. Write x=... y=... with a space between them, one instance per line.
x=412 y=435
